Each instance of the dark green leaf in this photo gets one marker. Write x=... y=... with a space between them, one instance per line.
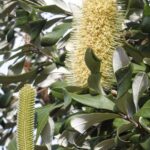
x=35 y=28
x=94 y=82
x=38 y=147
x=133 y=52
x=99 y=101
x=123 y=76
x=10 y=34
x=58 y=32
x=5 y=99
x=145 y=110
x=17 y=78
x=146 y=144
x=92 y=62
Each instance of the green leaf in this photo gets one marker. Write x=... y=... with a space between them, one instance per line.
x=135 y=138
x=52 y=21
x=125 y=104
x=139 y=86
x=82 y=122
x=32 y=3
x=94 y=82
x=47 y=133
x=10 y=34
x=92 y=62
x=145 y=123
x=122 y=129
x=5 y=99
x=146 y=19
x=146 y=144
x=122 y=69
x=56 y=7
x=42 y=117
x=38 y=147
x=52 y=9
x=133 y=6
x=105 y=145
x=25 y=6
x=22 y=18
x=52 y=37
x=145 y=110
x=17 y=78
x=99 y=101
x=118 y=122
x=66 y=138
x=145 y=24
x=35 y=28
x=12 y=145
x=133 y=52
x=17 y=67
x=123 y=76
x=146 y=61
x=138 y=68
x=67 y=98
x=120 y=59
x=44 y=74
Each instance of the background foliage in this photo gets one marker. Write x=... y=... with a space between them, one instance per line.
x=69 y=117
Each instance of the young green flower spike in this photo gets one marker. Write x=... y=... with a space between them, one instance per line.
x=97 y=27
x=25 y=118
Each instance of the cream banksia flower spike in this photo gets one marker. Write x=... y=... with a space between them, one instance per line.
x=98 y=27
x=25 y=118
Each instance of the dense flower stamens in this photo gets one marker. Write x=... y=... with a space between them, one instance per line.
x=97 y=27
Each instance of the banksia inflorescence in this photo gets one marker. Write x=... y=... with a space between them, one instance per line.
x=25 y=118
x=97 y=27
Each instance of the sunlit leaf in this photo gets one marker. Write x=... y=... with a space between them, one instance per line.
x=42 y=117
x=82 y=122
x=140 y=84
x=47 y=133
x=106 y=144
x=120 y=59
x=145 y=123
